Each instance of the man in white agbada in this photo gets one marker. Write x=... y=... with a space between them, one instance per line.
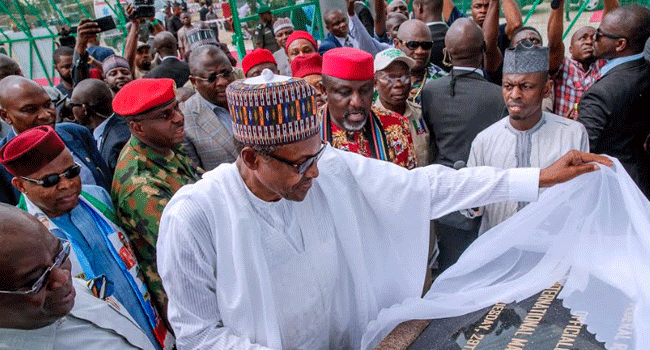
x=298 y=245
x=527 y=136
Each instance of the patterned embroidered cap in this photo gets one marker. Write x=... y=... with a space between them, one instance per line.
x=199 y=37
x=114 y=61
x=272 y=110
x=525 y=58
x=282 y=23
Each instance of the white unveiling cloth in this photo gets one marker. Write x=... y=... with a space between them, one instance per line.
x=590 y=234
x=242 y=273
x=503 y=146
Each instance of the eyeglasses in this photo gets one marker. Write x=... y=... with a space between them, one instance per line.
x=53 y=180
x=61 y=257
x=301 y=167
x=599 y=34
x=412 y=45
x=214 y=76
x=71 y=104
x=404 y=79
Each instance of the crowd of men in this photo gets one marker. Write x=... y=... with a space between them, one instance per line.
x=166 y=197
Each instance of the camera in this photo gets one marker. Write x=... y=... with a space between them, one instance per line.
x=144 y=8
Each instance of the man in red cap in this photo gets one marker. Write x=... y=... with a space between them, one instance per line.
x=150 y=169
x=310 y=68
x=257 y=61
x=47 y=176
x=300 y=43
x=350 y=121
x=26 y=105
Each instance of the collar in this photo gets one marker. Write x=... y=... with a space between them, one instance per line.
x=99 y=130
x=407 y=110
x=168 y=57
x=471 y=69
x=212 y=106
x=532 y=130
x=437 y=22
x=611 y=64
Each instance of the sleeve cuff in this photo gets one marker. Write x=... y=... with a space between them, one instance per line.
x=524 y=184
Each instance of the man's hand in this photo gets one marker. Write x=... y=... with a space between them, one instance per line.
x=86 y=30
x=569 y=166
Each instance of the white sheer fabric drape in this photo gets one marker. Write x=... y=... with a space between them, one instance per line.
x=592 y=234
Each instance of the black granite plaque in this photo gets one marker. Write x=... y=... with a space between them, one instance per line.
x=538 y=323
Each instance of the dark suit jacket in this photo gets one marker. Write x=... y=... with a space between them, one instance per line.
x=172 y=68
x=80 y=142
x=115 y=135
x=330 y=42
x=454 y=121
x=438 y=32
x=615 y=112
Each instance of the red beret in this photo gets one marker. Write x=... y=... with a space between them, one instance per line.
x=255 y=57
x=143 y=95
x=31 y=150
x=305 y=65
x=348 y=63
x=301 y=34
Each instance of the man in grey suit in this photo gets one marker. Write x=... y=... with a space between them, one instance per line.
x=456 y=108
x=208 y=123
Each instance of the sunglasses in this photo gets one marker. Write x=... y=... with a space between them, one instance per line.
x=301 y=167
x=61 y=257
x=412 y=45
x=53 y=180
x=214 y=76
x=599 y=34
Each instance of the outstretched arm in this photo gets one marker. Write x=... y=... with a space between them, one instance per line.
x=80 y=69
x=555 y=44
x=493 y=56
x=513 y=16
x=380 y=18
x=131 y=43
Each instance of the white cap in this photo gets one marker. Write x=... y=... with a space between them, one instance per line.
x=384 y=58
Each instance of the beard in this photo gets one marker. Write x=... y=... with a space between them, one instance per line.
x=354 y=125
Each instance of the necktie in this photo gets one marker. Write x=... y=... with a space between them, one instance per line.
x=348 y=42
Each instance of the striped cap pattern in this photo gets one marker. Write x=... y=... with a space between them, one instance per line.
x=273 y=113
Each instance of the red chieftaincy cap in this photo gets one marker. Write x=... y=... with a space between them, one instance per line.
x=143 y=95
x=255 y=57
x=301 y=34
x=31 y=150
x=348 y=63
x=304 y=65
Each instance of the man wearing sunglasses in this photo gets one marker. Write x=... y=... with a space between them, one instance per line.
x=47 y=176
x=150 y=169
x=42 y=305
x=298 y=245
x=615 y=109
x=26 y=105
x=208 y=123
x=414 y=38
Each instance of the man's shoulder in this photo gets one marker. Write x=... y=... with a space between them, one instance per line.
x=567 y=124
x=387 y=117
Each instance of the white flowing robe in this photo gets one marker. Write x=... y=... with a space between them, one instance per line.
x=247 y=274
x=502 y=146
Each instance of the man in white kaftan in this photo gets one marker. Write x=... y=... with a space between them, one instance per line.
x=528 y=137
x=260 y=254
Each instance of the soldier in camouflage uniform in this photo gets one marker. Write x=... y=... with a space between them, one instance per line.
x=150 y=169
